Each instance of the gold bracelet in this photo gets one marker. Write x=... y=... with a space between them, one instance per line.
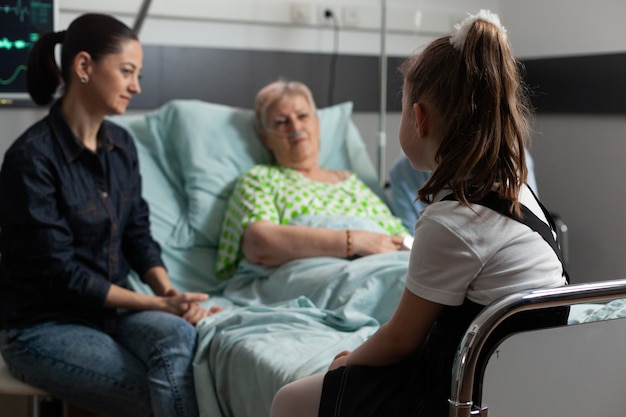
x=348 y=243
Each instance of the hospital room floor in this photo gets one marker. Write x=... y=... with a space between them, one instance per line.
x=15 y=406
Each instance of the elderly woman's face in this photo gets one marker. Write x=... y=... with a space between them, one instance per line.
x=292 y=132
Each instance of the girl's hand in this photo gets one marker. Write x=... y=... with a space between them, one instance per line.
x=340 y=360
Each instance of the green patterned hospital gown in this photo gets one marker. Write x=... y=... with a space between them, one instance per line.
x=280 y=195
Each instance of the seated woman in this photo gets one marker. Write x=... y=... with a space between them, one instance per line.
x=264 y=218
x=74 y=223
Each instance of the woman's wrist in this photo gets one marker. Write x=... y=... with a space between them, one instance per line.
x=348 y=244
x=120 y=297
x=158 y=280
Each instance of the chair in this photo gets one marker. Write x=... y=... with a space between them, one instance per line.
x=480 y=339
x=11 y=386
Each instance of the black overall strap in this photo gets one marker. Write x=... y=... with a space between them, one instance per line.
x=494 y=202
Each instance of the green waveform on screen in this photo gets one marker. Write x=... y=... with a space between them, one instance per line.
x=39 y=12
x=19 y=10
x=18 y=44
x=13 y=76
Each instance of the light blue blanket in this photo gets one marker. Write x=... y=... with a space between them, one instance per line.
x=587 y=313
x=246 y=354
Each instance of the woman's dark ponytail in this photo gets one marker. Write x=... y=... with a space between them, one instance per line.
x=43 y=76
x=93 y=33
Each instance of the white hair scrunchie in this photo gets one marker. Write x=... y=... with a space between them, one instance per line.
x=457 y=40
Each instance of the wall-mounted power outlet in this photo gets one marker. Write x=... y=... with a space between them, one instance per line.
x=350 y=16
x=302 y=13
x=328 y=15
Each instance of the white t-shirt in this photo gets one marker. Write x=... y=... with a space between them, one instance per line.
x=481 y=255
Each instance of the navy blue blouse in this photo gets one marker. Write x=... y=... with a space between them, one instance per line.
x=72 y=222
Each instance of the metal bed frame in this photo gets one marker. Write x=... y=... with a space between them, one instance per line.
x=473 y=352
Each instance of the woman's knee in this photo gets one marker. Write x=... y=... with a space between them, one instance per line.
x=175 y=327
x=157 y=338
x=159 y=327
x=79 y=364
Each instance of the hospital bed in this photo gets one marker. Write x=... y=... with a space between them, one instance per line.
x=280 y=323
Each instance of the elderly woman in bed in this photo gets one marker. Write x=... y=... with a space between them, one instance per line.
x=295 y=208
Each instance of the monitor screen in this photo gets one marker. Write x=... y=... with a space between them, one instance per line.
x=21 y=24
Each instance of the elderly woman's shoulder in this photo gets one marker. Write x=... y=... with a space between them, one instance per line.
x=266 y=171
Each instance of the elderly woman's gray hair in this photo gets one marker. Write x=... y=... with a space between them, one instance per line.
x=273 y=92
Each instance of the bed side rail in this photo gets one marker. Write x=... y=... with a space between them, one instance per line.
x=464 y=401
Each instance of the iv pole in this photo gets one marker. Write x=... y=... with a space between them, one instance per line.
x=382 y=121
x=141 y=15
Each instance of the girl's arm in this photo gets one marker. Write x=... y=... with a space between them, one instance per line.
x=268 y=243
x=397 y=339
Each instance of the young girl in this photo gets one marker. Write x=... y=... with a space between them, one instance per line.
x=73 y=223
x=465 y=117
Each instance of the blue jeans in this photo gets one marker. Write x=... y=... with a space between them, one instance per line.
x=144 y=369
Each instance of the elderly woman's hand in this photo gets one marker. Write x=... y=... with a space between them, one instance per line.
x=368 y=243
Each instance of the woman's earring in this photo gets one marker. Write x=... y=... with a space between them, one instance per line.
x=84 y=79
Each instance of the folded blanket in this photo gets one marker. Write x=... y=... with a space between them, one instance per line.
x=355 y=291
